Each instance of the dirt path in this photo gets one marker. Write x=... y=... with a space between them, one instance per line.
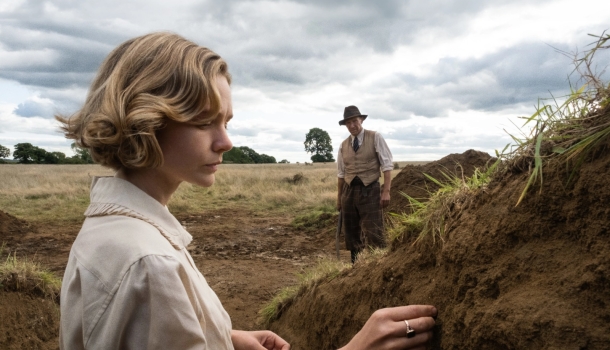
x=245 y=258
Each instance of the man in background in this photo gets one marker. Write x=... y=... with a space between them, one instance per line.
x=361 y=159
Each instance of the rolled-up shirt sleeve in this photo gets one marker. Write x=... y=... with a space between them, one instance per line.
x=384 y=153
x=340 y=164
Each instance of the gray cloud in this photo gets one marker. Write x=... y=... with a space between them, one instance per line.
x=515 y=75
x=285 y=49
x=243 y=131
x=34 y=109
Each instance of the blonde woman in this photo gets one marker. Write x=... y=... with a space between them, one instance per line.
x=157 y=113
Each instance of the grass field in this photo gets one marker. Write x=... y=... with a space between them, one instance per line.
x=60 y=193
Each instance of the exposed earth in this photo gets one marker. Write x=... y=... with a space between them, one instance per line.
x=535 y=276
x=532 y=276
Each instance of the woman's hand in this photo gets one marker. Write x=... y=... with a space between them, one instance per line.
x=258 y=340
x=386 y=329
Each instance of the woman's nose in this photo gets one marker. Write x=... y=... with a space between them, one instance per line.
x=222 y=142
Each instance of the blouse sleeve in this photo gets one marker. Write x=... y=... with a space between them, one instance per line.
x=153 y=308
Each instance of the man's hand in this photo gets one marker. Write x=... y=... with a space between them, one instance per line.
x=385 y=193
x=340 y=184
x=258 y=340
x=385 y=199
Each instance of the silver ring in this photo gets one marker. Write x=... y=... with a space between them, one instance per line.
x=410 y=331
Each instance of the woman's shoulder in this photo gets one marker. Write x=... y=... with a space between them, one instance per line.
x=119 y=238
x=124 y=233
x=108 y=246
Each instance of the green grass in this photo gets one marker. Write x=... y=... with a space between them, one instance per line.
x=316 y=219
x=23 y=275
x=431 y=218
x=325 y=270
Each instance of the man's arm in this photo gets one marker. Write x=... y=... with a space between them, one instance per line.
x=340 y=177
x=385 y=192
x=340 y=183
x=385 y=159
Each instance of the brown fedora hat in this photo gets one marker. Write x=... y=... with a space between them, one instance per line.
x=351 y=112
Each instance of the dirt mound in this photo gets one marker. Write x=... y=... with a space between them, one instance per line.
x=411 y=179
x=535 y=276
x=10 y=226
x=28 y=322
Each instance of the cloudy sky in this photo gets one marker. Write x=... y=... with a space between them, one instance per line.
x=435 y=77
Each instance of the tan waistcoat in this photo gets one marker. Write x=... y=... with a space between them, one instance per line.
x=364 y=163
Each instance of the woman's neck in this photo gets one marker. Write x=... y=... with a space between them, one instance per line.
x=151 y=182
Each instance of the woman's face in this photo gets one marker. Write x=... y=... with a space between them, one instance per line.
x=193 y=153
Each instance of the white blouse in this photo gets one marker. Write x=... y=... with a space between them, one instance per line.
x=130 y=283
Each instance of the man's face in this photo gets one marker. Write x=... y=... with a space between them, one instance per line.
x=354 y=125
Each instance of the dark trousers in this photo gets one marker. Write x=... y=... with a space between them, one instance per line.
x=362 y=216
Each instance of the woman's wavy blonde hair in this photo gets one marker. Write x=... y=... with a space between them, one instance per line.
x=140 y=85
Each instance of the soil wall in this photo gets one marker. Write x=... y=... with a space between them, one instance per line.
x=535 y=276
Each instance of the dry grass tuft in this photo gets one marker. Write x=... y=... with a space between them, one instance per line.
x=23 y=275
x=565 y=133
x=433 y=218
x=324 y=271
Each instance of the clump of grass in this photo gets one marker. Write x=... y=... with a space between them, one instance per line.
x=321 y=217
x=23 y=275
x=566 y=132
x=324 y=271
x=433 y=217
x=371 y=254
x=296 y=179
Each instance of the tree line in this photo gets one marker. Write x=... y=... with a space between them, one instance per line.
x=246 y=155
x=26 y=153
x=317 y=142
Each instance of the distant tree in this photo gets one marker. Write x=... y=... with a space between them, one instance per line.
x=82 y=153
x=252 y=154
x=26 y=153
x=236 y=155
x=246 y=155
x=55 y=158
x=4 y=152
x=267 y=159
x=318 y=143
x=284 y=161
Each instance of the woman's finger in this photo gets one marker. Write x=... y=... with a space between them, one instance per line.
x=408 y=312
x=402 y=342
x=418 y=325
